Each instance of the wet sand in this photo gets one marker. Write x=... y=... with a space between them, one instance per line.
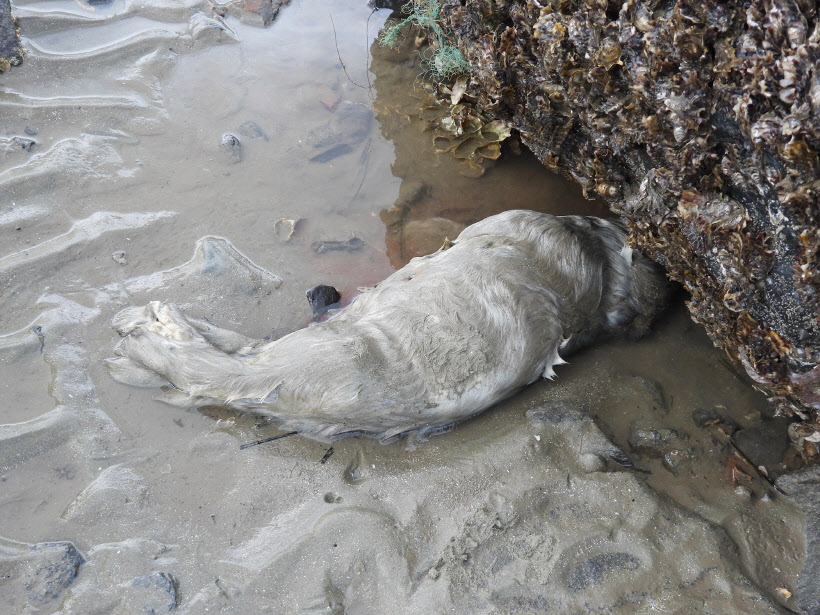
x=528 y=508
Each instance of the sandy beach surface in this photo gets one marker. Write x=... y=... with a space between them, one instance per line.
x=188 y=152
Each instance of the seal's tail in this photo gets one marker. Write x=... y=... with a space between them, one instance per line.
x=162 y=346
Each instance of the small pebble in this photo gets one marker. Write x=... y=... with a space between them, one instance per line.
x=322 y=298
x=742 y=491
x=231 y=145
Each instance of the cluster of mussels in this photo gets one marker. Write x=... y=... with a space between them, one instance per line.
x=699 y=122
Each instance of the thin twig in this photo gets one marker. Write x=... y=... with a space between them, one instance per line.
x=279 y=437
x=222 y=589
x=338 y=53
x=326 y=456
x=367 y=59
x=364 y=173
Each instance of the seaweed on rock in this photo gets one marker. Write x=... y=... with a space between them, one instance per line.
x=699 y=122
x=444 y=61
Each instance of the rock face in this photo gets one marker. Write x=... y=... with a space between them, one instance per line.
x=699 y=122
x=11 y=52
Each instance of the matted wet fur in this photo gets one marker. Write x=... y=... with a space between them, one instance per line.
x=438 y=341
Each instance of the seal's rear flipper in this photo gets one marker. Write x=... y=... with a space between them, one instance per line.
x=123 y=369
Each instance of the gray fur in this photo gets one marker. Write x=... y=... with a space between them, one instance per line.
x=438 y=341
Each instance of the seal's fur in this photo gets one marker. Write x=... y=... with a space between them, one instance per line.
x=438 y=341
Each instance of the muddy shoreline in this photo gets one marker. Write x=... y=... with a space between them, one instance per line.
x=608 y=489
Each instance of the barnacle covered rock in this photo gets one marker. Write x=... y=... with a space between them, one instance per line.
x=11 y=51
x=699 y=122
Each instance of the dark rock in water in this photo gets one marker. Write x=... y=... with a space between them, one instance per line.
x=231 y=145
x=58 y=565
x=30 y=131
x=11 y=51
x=621 y=458
x=348 y=245
x=677 y=459
x=700 y=124
x=24 y=143
x=333 y=152
x=592 y=571
x=161 y=592
x=252 y=130
x=322 y=298
x=703 y=417
x=803 y=488
x=766 y=444
x=99 y=2
x=649 y=438
x=37 y=574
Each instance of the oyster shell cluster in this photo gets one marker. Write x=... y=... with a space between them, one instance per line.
x=699 y=122
x=461 y=129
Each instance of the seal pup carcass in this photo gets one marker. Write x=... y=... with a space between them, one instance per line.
x=440 y=340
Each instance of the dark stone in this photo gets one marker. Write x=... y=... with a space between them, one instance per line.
x=803 y=488
x=591 y=572
x=766 y=444
x=348 y=245
x=677 y=459
x=161 y=596
x=24 y=143
x=54 y=568
x=231 y=145
x=333 y=152
x=649 y=438
x=702 y=417
x=322 y=298
x=11 y=52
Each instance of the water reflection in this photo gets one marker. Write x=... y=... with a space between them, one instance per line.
x=437 y=197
